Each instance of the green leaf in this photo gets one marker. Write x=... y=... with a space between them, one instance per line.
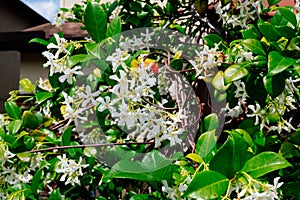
x=13 y=109
x=277 y=63
x=25 y=156
x=39 y=40
x=213 y=39
x=240 y=153
x=29 y=142
x=273 y=2
x=254 y=46
x=251 y=33
x=95 y=20
x=43 y=96
x=207 y=185
x=114 y=28
x=14 y=126
x=274 y=85
x=66 y=137
x=17 y=195
x=235 y=72
x=210 y=122
x=284 y=16
x=285 y=31
x=30 y=120
x=294 y=44
x=38 y=135
x=222 y=160
x=20 y=135
x=264 y=163
x=74 y=60
x=36 y=181
x=55 y=195
x=288 y=150
x=247 y=138
x=153 y=167
x=195 y=157
x=218 y=81
x=26 y=85
x=267 y=30
x=259 y=61
x=207 y=145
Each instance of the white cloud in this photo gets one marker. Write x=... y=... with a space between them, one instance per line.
x=46 y=8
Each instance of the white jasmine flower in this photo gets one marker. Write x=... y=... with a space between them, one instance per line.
x=117 y=59
x=69 y=74
x=88 y=96
x=61 y=44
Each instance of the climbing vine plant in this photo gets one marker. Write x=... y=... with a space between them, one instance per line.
x=161 y=101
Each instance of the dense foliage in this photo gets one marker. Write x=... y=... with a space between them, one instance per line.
x=162 y=101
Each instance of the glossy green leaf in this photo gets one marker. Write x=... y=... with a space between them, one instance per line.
x=240 y=153
x=66 y=136
x=251 y=33
x=222 y=160
x=195 y=157
x=95 y=20
x=207 y=185
x=274 y=85
x=14 y=126
x=273 y=2
x=13 y=109
x=213 y=39
x=26 y=85
x=29 y=142
x=267 y=30
x=285 y=31
x=254 y=46
x=207 y=145
x=43 y=96
x=36 y=181
x=259 y=61
x=17 y=195
x=294 y=44
x=21 y=135
x=218 y=81
x=30 y=120
x=55 y=195
x=234 y=73
x=38 y=135
x=210 y=122
x=39 y=41
x=277 y=63
x=284 y=16
x=114 y=28
x=153 y=167
x=288 y=150
x=264 y=163
x=74 y=60
x=247 y=138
